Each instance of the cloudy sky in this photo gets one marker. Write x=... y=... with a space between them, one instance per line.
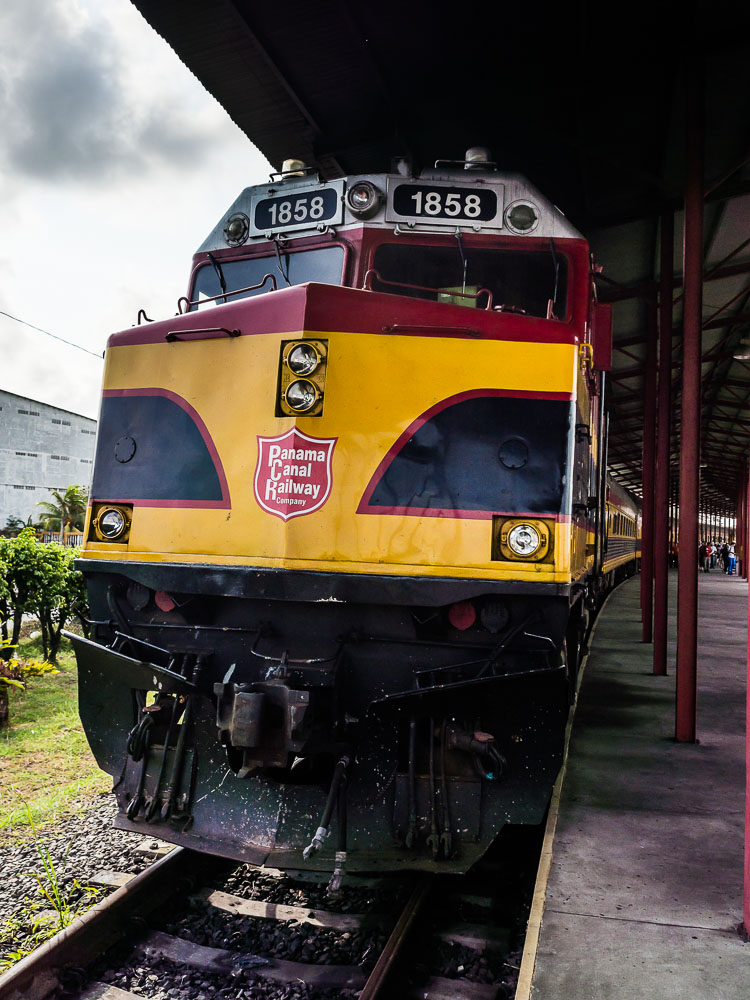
x=115 y=163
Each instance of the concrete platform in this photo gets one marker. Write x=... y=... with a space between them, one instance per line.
x=644 y=893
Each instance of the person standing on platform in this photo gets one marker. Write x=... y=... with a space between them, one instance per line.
x=725 y=557
x=702 y=557
x=732 y=558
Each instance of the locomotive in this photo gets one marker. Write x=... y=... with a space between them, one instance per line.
x=349 y=517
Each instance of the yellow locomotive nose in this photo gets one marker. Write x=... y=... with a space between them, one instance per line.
x=348 y=520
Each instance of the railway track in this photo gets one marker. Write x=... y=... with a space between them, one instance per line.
x=168 y=932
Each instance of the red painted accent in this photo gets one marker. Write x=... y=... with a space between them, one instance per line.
x=479 y=515
x=170 y=504
x=462 y=615
x=163 y=601
x=225 y=503
x=324 y=309
x=358 y=311
x=463 y=515
x=275 y=312
x=315 y=475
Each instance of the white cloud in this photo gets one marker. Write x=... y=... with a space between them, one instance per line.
x=116 y=163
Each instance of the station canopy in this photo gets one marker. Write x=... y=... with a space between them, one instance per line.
x=587 y=100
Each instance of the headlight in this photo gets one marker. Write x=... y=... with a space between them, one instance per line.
x=236 y=229
x=363 y=198
x=302 y=376
x=301 y=395
x=522 y=217
x=303 y=359
x=112 y=523
x=524 y=540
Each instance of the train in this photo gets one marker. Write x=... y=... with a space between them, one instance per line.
x=349 y=520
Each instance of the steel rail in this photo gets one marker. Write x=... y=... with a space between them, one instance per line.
x=35 y=976
x=384 y=964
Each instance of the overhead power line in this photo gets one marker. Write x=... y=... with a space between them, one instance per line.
x=48 y=334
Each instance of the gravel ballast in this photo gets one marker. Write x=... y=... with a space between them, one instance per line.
x=79 y=846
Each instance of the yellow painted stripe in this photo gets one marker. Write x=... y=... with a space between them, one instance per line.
x=611 y=564
x=534 y=926
x=498 y=571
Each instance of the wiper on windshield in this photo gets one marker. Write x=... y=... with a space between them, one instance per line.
x=219 y=273
x=284 y=274
x=464 y=259
x=556 y=262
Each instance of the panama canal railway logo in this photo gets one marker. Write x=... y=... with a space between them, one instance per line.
x=293 y=474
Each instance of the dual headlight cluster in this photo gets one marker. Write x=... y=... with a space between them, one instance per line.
x=528 y=540
x=302 y=378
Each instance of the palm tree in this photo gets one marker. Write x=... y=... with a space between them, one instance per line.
x=67 y=512
x=15 y=525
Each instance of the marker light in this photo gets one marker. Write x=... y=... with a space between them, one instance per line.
x=462 y=615
x=523 y=539
x=522 y=217
x=236 y=229
x=301 y=395
x=112 y=523
x=363 y=198
x=303 y=359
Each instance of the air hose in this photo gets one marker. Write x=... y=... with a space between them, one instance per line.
x=325 y=820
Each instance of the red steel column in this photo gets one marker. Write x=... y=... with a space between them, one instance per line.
x=687 y=609
x=742 y=525
x=746 y=894
x=661 y=495
x=738 y=532
x=647 y=475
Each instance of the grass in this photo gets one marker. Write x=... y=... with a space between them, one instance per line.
x=46 y=767
x=57 y=904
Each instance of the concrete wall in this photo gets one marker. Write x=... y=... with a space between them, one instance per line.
x=41 y=448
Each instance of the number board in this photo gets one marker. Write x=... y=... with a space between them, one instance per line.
x=278 y=210
x=445 y=204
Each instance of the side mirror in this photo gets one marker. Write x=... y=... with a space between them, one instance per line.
x=601 y=336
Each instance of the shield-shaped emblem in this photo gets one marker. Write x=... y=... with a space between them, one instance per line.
x=293 y=474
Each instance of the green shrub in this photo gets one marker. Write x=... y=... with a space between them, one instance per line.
x=39 y=579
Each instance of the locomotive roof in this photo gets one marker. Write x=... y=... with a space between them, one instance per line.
x=403 y=201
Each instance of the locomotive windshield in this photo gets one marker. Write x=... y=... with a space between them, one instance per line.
x=323 y=264
x=530 y=281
